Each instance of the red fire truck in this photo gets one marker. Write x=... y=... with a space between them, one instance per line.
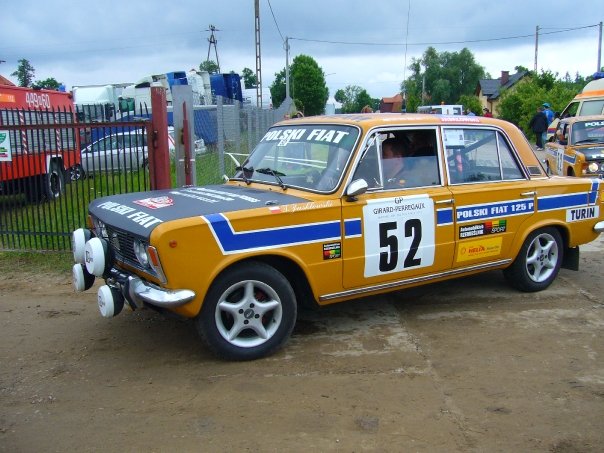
x=39 y=151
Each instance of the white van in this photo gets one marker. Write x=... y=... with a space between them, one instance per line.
x=590 y=101
x=441 y=109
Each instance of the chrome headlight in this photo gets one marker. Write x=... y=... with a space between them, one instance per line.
x=140 y=251
x=593 y=167
x=101 y=229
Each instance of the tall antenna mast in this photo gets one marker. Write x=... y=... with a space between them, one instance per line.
x=212 y=41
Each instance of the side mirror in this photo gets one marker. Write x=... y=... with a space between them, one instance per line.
x=356 y=188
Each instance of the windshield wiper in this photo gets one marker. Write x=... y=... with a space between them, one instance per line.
x=244 y=170
x=275 y=174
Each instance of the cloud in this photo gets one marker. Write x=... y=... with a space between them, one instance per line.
x=114 y=41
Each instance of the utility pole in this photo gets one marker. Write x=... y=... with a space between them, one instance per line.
x=536 y=46
x=599 y=68
x=287 y=96
x=212 y=41
x=258 y=56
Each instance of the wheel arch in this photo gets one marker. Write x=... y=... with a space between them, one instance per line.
x=560 y=226
x=50 y=160
x=290 y=269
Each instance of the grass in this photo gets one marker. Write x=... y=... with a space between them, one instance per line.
x=47 y=226
x=14 y=263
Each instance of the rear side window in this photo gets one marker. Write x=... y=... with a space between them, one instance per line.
x=475 y=155
x=595 y=107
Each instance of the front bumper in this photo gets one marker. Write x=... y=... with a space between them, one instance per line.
x=139 y=292
x=93 y=259
x=599 y=227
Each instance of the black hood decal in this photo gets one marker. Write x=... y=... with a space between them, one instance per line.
x=141 y=212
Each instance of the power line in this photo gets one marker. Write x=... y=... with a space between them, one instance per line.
x=275 y=20
x=440 y=42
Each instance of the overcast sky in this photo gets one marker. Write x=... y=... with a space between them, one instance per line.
x=355 y=42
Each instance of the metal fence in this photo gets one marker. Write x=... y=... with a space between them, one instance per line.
x=42 y=202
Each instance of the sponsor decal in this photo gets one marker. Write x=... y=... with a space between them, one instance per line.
x=156 y=202
x=480 y=212
x=275 y=209
x=496 y=226
x=211 y=195
x=284 y=136
x=6 y=154
x=480 y=248
x=140 y=217
x=460 y=119
x=332 y=251
x=480 y=229
x=308 y=206
x=576 y=214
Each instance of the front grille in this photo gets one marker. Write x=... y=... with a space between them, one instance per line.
x=122 y=245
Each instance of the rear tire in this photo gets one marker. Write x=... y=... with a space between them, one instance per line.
x=54 y=181
x=538 y=261
x=249 y=312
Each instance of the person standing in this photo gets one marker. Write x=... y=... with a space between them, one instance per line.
x=539 y=124
x=549 y=113
x=487 y=113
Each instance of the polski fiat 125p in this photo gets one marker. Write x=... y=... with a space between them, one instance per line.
x=331 y=208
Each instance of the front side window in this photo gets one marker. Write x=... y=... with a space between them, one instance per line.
x=571 y=110
x=401 y=158
x=479 y=155
x=307 y=156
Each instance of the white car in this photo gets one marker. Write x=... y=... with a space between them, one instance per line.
x=199 y=146
x=120 y=151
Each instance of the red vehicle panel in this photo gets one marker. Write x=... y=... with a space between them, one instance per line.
x=43 y=157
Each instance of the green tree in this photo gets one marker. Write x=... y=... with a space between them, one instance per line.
x=25 y=73
x=209 y=66
x=520 y=103
x=442 y=77
x=249 y=78
x=471 y=102
x=364 y=99
x=277 y=89
x=353 y=98
x=48 y=84
x=348 y=98
x=307 y=86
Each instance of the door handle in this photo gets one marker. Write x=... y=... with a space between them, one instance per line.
x=528 y=194
x=449 y=201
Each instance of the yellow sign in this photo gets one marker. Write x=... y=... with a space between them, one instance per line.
x=7 y=98
x=479 y=249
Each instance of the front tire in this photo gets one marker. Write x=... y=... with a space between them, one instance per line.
x=538 y=261
x=249 y=312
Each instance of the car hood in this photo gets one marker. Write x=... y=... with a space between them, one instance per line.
x=140 y=212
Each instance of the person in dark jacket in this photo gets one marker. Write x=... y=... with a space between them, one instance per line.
x=538 y=124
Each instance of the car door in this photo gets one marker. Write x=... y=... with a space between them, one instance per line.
x=492 y=193
x=135 y=150
x=393 y=234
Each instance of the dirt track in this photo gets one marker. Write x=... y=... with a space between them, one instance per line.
x=469 y=365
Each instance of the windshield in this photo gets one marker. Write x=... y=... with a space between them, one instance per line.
x=304 y=156
x=585 y=132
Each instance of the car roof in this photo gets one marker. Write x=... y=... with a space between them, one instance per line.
x=370 y=120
